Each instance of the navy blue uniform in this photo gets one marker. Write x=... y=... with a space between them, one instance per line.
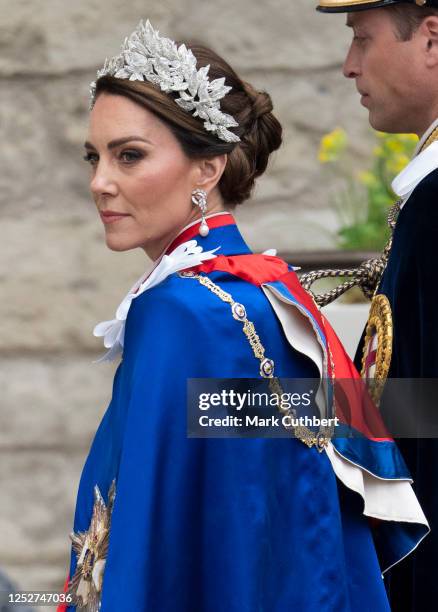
x=410 y=284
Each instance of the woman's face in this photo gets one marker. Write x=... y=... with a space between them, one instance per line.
x=141 y=179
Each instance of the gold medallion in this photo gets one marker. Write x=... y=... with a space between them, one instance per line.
x=377 y=350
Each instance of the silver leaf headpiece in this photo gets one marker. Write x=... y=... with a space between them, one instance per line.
x=146 y=56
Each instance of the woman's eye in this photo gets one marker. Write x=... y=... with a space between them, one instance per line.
x=130 y=156
x=91 y=158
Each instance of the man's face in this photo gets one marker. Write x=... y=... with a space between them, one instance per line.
x=388 y=72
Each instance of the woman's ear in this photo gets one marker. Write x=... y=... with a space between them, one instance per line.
x=209 y=172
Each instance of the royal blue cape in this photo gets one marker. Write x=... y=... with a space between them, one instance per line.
x=217 y=525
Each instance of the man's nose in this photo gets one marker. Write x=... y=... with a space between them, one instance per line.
x=351 y=68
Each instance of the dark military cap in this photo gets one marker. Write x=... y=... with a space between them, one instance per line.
x=346 y=6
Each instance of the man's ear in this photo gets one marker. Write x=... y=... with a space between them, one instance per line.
x=429 y=29
x=209 y=172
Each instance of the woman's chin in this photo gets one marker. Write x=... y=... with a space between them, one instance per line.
x=117 y=243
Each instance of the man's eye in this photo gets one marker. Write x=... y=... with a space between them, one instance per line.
x=91 y=158
x=130 y=156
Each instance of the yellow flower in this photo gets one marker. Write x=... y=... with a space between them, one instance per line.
x=378 y=151
x=409 y=139
x=397 y=164
x=395 y=145
x=332 y=145
x=367 y=178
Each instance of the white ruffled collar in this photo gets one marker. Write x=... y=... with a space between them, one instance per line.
x=423 y=163
x=184 y=256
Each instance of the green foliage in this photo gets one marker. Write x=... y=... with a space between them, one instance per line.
x=362 y=206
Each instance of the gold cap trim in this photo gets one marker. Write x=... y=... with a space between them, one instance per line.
x=339 y=3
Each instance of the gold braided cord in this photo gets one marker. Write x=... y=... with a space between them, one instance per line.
x=307 y=436
x=367 y=276
x=432 y=138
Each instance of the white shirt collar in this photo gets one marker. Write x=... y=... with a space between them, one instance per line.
x=423 y=163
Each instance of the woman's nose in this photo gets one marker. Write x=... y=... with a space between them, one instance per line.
x=102 y=181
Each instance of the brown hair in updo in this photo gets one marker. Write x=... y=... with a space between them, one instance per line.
x=258 y=129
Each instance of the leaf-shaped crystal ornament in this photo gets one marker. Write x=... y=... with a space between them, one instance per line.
x=146 y=56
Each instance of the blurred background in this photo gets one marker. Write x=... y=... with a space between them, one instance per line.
x=57 y=277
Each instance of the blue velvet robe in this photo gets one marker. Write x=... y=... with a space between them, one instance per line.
x=217 y=525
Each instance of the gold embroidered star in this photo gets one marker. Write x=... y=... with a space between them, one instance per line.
x=91 y=548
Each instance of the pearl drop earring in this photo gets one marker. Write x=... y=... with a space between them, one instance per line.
x=199 y=198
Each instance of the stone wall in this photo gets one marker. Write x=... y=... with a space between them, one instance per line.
x=58 y=278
